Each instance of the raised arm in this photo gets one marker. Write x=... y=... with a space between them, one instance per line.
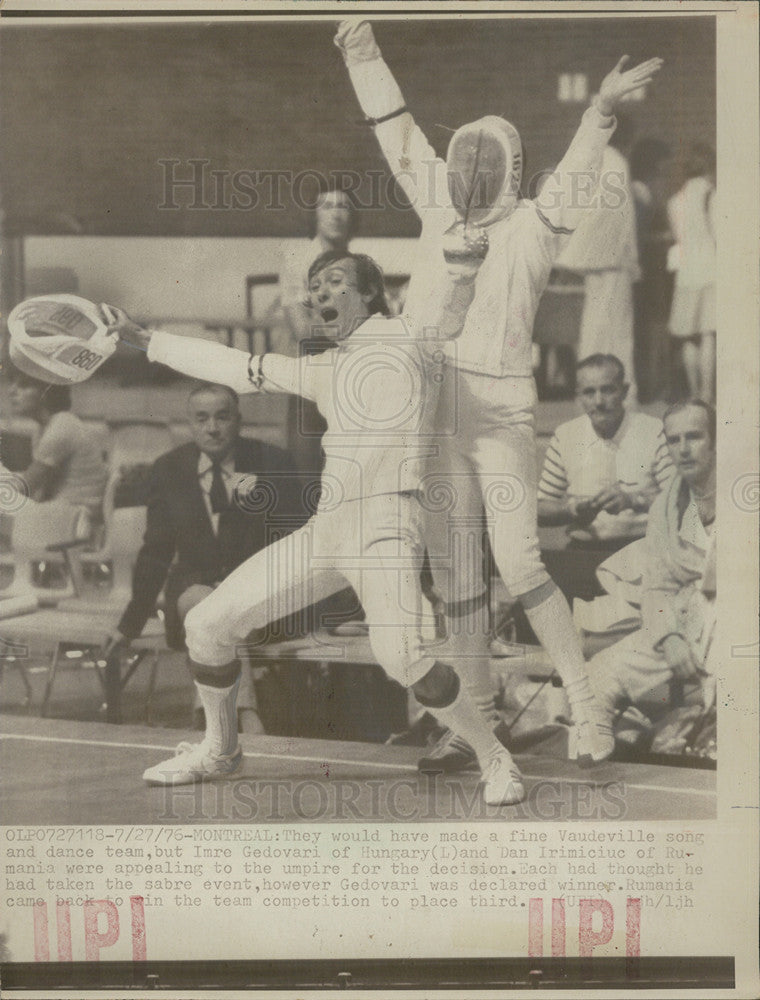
x=573 y=187
x=212 y=362
x=419 y=172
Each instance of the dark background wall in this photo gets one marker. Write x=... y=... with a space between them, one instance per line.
x=88 y=112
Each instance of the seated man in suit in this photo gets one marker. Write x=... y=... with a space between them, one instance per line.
x=212 y=503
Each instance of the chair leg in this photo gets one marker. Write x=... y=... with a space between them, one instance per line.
x=50 y=680
x=151 y=689
x=27 y=685
x=113 y=685
x=13 y=662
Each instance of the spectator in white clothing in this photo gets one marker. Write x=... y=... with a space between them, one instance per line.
x=675 y=642
x=604 y=249
x=652 y=293
x=691 y=213
x=601 y=473
x=67 y=461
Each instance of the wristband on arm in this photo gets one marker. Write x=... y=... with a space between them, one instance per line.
x=372 y=122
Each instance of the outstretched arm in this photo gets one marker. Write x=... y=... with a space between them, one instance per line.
x=211 y=362
x=419 y=172
x=572 y=188
x=620 y=82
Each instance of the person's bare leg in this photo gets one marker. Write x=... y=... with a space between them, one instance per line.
x=707 y=362
x=690 y=355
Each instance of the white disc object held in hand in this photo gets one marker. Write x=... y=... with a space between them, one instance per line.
x=59 y=338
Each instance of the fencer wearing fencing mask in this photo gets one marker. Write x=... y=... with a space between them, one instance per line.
x=484 y=170
x=477 y=187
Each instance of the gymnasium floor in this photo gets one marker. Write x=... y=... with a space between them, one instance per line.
x=63 y=772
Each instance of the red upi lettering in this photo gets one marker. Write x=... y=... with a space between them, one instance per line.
x=101 y=929
x=592 y=933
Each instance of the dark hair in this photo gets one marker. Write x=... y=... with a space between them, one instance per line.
x=55 y=398
x=601 y=361
x=700 y=404
x=369 y=277
x=700 y=160
x=646 y=157
x=335 y=185
x=198 y=387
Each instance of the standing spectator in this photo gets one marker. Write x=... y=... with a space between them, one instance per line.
x=601 y=473
x=333 y=224
x=603 y=248
x=652 y=293
x=691 y=212
x=67 y=462
x=200 y=524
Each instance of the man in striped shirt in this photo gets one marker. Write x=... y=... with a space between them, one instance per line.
x=601 y=473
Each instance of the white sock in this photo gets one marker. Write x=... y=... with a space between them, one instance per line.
x=476 y=677
x=469 y=635
x=583 y=701
x=465 y=719
x=220 y=706
x=552 y=622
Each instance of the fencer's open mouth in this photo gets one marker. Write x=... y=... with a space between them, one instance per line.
x=329 y=315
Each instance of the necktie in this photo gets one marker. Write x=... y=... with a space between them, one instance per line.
x=218 y=492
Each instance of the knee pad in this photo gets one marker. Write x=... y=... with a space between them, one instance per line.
x=216 y=676
x=439 y=690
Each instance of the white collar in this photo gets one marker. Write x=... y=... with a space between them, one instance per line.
x=205 y=464
x=616 y=438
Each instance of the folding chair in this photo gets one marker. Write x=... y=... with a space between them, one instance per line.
x=39 y=531
x=125 y=527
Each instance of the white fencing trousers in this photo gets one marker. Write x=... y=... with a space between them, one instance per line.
x=624 y=673
x=373 y=544
x=485 y=460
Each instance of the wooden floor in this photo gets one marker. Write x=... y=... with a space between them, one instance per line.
x=61 y=772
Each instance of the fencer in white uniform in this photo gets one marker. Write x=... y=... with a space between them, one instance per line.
x=485 y=448
x=373 y=389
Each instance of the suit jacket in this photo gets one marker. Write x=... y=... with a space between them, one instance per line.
x=180 y=542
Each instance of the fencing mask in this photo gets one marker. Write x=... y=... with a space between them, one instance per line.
x=484 y=164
